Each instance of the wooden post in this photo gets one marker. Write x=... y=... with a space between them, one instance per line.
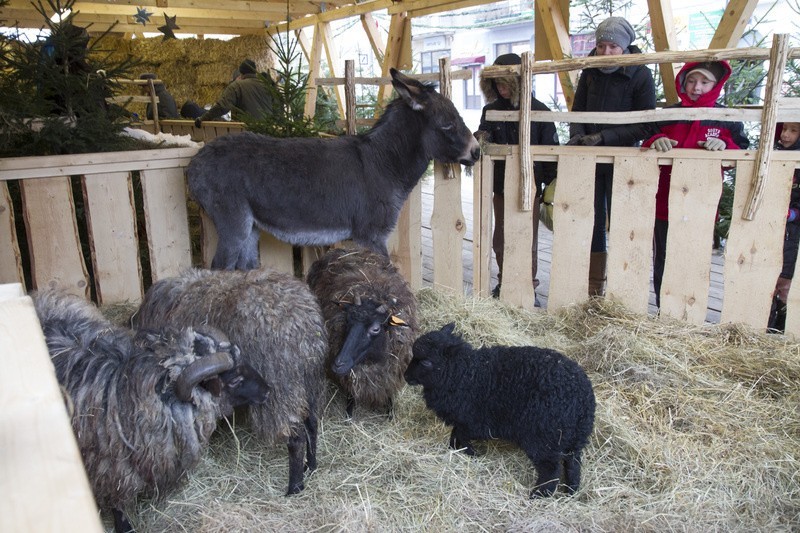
x=350 y=96
x=525 y=163
x=154 y=102
x=777 y=64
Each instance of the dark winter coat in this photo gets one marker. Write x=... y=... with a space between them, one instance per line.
x=689 y=132
x=534 y=397
x=508 y=132
x=628 y=88
x=246 y=96
x=791 y=242
x=167 y=108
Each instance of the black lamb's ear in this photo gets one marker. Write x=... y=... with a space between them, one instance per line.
x=449 y=328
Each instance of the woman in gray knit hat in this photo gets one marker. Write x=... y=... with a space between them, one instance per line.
x=610 y=89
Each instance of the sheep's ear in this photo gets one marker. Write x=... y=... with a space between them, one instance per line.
x=449 y=328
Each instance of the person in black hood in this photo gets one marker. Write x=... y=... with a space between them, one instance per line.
x=503 y=94
x=610 y=89
x=166 y=103
x=787 y=137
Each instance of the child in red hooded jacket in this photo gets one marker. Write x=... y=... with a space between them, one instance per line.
x=698 y=85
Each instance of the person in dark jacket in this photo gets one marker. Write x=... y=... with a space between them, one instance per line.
x=610 y=89
x=787 y=137
x=698 y=85
x=167 y=108
x=503 y=94
x=245 y=96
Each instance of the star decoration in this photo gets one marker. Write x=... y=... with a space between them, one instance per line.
x=142 y=16
x=167 y=28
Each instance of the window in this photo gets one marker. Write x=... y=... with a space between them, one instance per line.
x=430 y=60
x=516 y=47
x=473 y=98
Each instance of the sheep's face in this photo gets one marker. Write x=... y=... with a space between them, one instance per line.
x=367 y=335
x=430 y=355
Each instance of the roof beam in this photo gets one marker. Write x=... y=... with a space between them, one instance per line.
x=733 y=23
x=664 y=39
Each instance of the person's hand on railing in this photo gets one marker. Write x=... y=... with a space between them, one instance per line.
x=592 y=139
x=197 y=123
x=713 y=144
x=664 y=144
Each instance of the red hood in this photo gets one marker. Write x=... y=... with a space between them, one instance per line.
x=708 y=99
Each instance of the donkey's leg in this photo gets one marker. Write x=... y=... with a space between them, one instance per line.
x=233 y=232
x=248 y=256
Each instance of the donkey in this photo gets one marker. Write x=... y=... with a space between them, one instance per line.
x=316 y=192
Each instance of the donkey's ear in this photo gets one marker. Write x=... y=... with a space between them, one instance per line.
x=409 y=89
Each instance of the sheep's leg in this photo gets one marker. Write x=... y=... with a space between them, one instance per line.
x=296 y=445
x=311 y=442
x=121 y=522
x=572 y=471
x=549 y=475
x=461 y=442
x=350 y=404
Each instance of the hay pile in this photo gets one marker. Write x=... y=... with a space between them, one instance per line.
x=697 y=430
x=192 y=69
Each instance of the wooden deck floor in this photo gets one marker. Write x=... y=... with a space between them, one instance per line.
x=545 y=252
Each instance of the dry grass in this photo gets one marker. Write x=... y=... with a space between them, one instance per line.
x=697 y=429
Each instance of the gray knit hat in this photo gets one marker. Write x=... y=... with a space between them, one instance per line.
x=616 y=30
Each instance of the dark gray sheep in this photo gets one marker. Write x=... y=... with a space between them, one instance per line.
x=534 y=397
x=371 y=317
x=139 y=416
x=278 y=325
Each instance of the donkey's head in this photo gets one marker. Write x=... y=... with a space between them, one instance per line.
x=446 y=138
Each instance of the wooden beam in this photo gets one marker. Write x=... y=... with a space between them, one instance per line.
x=394 y=45
x=332 y=54
x=313 y=73
x=664 y=39
x=556 y=30
x=372 y=30
x=305 y=44
x=733 y=23
x=777 y=64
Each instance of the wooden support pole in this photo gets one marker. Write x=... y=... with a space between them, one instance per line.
x=313 y=73
x=525 y=163
x=446 y=90
x=350 y=96
x=777 y=64
x=371 y=28
x=551 y=16
x=664 y=39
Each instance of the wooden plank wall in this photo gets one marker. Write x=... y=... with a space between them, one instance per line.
x=43 y=484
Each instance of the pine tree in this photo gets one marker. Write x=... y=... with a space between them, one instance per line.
x=54 y=90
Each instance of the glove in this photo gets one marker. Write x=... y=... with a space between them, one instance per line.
x=713 y=144
x=546 y=210
x=664 y=144
x=791 y=216
x=197 y=122
x=592 y=140
x=586 y=140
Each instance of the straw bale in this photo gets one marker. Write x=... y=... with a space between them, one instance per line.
x=697 y=429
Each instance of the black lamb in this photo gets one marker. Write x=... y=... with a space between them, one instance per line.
x=536 y=398
x=370 y=314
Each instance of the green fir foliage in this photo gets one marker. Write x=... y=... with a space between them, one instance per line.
x=54 y=91
x=288 y=94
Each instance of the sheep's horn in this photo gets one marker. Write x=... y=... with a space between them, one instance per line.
x=382 y=309
x=200 y=370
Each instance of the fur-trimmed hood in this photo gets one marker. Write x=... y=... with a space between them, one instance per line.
x=488 y=85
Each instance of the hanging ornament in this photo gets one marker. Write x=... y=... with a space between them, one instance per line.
x=167 y=28
x=142 y=16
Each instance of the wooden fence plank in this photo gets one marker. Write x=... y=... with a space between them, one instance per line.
x=482 y=226
x=630 y=240
x=754 y=251
x=164 y=198
x=448 y=216
x=572 y=229
x=10 y=259
x=44 y=485
x=695 y=188
x=518 y=237
x=405 y=242
x=208 y=239
x=275 y=254
x=111 y=218
x=53 y=240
